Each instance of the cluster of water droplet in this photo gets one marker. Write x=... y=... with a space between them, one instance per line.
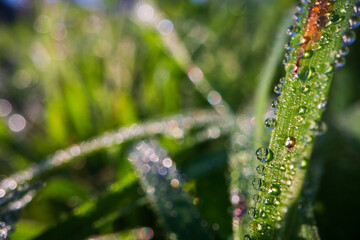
x=162 y=182
x=155 y=166
x=322 y=23
x=11 y=206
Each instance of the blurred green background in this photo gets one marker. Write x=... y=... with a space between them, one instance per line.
x=72 y=70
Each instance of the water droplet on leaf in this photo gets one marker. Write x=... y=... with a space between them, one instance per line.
x=302 y=110
x=252 y=212
x=270 y=123
x=304 y=73
x=323 y=68
x=304 y=163
x=305 y=89
x=256 y=197
x=315 y=46
x=316 y=36
x=322 y=21
x=274 y=190
x=264 y=154
x=335 y=18
x=299 y=52
x=275 y=104
x=290 y=142
x=339 y=62
x=260 y=169
x=257 y=184
x=247 y=237
x=348 y=37
x=278 y=88
x=354 y=22
x=344 y=51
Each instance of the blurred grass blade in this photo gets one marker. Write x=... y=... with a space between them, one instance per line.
x=11 y=205
x=241 y=168
x=266 y=77
x=178 y=51
x=162 y=183
x=174 y=126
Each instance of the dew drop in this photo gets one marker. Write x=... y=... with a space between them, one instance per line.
x=357 y=8
x=282 y=168
x=344 y=51
x=324 y=40
x=274 y=190
x=269 y=201
x=270 y=123
x=282 y=80
x=322 y=105
x=299 y=52
x=354 y=22
x=286 y=58
x=260 y=169
x=252 y=212
x=309 y=139
x=304 y=163
x=307 y=54
x=278 y=88
x=348 y=37
x=310 y=124
x=296 y=39
x=335 y=18
x=288 y=182
x=299 y=8
x=262 y=213
x=256 y=197
x=333 y=29
x=316 y=36
x=323 y=68
x=315 y=46
x=290 y=142
x=297 y=16
x=257 y=184
x=322 y=21
x=302 y=110
x=259 y=227
x=305 y=89
x=264 y=154
x=290 y=67
x=275 y=104
x=323 y=78
x=304 y=73
x=322 y=12
x=339 y=62
x=304 y=40
x=292 y=30
x=288 y=46
x=247 y=237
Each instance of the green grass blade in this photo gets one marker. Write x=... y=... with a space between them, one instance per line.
x=315 y=50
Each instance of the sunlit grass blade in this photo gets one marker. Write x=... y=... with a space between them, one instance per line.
x=318 y=44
